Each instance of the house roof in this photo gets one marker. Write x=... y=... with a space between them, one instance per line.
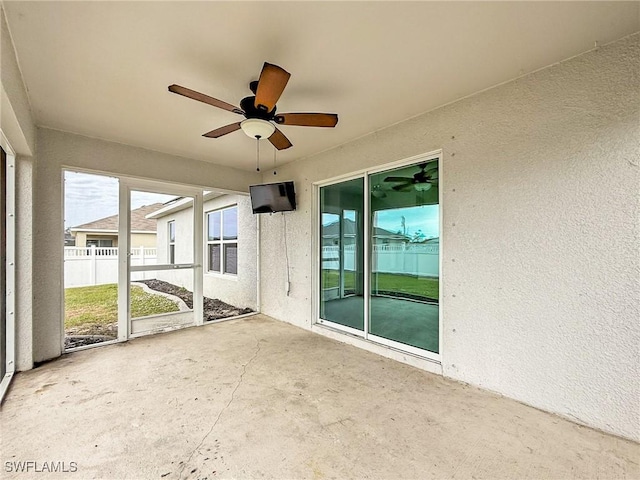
x=378 y=63
x=139 y=222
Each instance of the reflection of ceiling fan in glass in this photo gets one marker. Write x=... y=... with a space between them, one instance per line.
x=378 y=191
x=421 y=181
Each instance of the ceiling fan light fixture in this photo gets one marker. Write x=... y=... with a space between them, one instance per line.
x=257 y=128
x=422 y=187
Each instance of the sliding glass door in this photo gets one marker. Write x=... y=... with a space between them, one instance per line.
x=342 y=257
x=380 y=256
x=404 y=240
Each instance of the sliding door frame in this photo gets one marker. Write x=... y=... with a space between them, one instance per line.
x=127 y=185
x=317 y=258
x=8 y=350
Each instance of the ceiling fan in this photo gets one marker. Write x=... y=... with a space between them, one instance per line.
x=259 y=110
x=421 y=181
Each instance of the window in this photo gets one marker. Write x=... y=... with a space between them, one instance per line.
x=222 y=241
x=100 y=242
x=172 y=241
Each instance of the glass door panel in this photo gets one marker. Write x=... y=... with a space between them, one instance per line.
x=404 y=245
x=342 y=259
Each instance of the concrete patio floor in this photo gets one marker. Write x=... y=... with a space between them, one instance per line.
x=258 y=398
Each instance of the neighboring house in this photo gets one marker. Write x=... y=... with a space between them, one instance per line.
x=104 y=231
x=229 y=263
x=331 y=234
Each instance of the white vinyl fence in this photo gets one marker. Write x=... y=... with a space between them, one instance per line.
x=99 y=265
x=405 y=258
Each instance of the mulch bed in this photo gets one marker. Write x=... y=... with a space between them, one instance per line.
x=214 y=309
x=76 y=341
x=89 y=334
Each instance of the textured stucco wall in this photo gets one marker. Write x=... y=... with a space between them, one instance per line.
x=24 y=249
x=141 y=240
x=238 y=290
x=540 y=277
x=183 y=248
x=81 y=239
x=16 y=121
x=57 y=150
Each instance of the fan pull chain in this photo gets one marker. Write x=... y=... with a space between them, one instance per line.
x=257 y=153
x=274 y=160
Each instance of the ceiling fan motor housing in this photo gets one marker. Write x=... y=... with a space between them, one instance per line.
x=250 y=111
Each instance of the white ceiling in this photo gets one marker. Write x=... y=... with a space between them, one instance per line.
x=102 y=68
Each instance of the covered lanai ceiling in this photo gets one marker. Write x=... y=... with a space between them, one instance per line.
x=102 y=69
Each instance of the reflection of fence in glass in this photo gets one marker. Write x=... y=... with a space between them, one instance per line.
x=412 y=259
x=99 y=265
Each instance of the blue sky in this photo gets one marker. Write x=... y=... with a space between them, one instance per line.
x=424 y=218
x=90 y=197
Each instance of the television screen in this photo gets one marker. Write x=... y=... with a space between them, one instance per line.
x=273 y=197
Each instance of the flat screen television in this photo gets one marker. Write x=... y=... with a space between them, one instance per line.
x=273 y=197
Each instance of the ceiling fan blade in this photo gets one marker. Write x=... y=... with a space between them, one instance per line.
x=201 y=97
x=399 y=179
x=218 y=132
x=307 y=119
x=404 y=188
x=279 y=141
x=271 y=84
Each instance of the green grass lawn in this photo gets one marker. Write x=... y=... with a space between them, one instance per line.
x=99 y=304
x=387 y=282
